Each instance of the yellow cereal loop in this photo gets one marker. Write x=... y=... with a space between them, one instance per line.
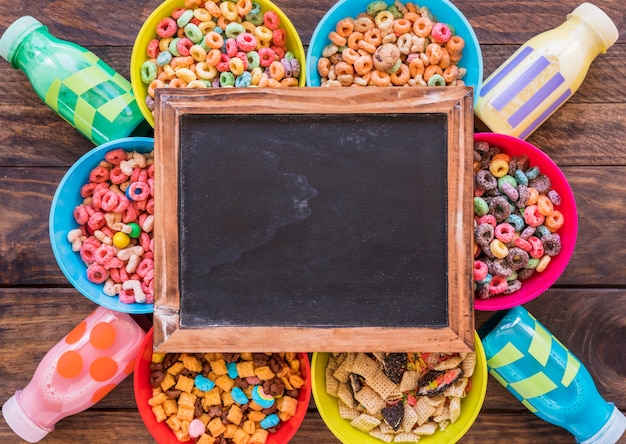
x=499 y=167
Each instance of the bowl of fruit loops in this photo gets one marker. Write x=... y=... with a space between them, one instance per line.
x=525 y=222
x=101 y=222
x=214 y=43
x=382 y=43
x=401 y=397
x=221 y=398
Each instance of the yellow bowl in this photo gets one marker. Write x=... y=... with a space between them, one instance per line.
x=341 y=428
x=148 y=32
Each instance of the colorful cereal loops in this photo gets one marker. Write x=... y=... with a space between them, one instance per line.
x=116 y=218
x=219 y=44
x=399 y=397
x=516 y=221
x=393 y=45
x=224 y=398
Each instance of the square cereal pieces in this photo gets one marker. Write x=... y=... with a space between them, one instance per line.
x=399 y=397
x=237 y=398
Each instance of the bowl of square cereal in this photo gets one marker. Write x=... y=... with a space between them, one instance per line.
x=101 y=221
x=222 y=43
x=387 y=43
x=238 y=397
x=371 y=398
x=526 y=222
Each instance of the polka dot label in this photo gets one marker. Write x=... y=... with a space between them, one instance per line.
x=103 y=369
x=70 y=364
x=102 y=336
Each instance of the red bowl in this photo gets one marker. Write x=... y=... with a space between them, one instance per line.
x=161 y=432
x=538 y=283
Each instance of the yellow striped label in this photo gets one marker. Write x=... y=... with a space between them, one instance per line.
x=571 y=370
x=541 y=344
x=506 y=356
x=52 y=95
x=85 y=79
x=536 y=385
x=83 y=119
x=114 y=108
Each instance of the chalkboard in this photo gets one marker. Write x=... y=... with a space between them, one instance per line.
x=295 y=224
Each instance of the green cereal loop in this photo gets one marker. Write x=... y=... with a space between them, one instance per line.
x=506 y=179
x=395 y=66
x=532 y=172
x=513 y=276
x=227 y=78
x=480 y=206
x=172 y=47
x=290 y=55
x=256 y=9
x=436 y=80
x=253 y=59
x=148 y=71
x=193 y=33
x=184 y=18
x=532 y=263
x=208 y=83
x=164 y=58
x=375 y=7
x=233 y=29
x=395 y=12
x=255 y=19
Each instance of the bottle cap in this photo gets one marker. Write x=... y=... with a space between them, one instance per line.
x=611 y=432
x=20 y=423
x=15 y=34
x=599 y=21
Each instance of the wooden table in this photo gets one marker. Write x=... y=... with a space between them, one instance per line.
x=586 y=137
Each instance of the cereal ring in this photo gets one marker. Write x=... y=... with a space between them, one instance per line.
x=532 y=216
x=436 y=80
x=450 y=73
x=214 y=40
x=500 y=208
x=505 y=232
x=513 y=286
x=166 y=27
x=193 y=33
x=96 y=273
x=517 y=258
x=554 y=221
x=422 y=27
x=499 y=167
x=497 y=285
x=363 y=24
x=499 y=267
x=541 y=183
x=402 y=26
x=484 y=234
x=440 y=33
x=233 y=29
x=554 y=197
x=246 y=41
x=266 y=56
x=401 y=76
x=537 y=247
x=551 y=244
x=455 y=44
x=279 y=37
x=432 y=70
x=485 y=180
x=380 y=78
x=480 y=270
x=344 y=27
x=416 y=67
x=373 y=36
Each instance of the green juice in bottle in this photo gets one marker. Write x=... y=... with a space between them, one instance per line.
x=73 y=81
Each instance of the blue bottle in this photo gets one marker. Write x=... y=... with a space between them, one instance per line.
x=547 y=378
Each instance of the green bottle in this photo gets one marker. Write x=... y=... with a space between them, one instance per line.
x=73 y=81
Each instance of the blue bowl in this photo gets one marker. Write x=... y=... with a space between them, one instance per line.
x=443 y=10
x=66 y=198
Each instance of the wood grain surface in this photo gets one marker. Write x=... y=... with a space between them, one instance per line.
x=585 y=309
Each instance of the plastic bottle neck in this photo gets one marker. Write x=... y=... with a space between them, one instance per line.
x=16 y=34
x=20 y=422
x=598 y=25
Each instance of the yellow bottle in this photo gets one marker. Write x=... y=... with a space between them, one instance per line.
x=543 y=73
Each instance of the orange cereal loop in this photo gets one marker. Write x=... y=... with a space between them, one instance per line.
x=273 y=83
x=444 y=61
x=373 y=36
x=503 y=156
x=102 y=392
x=554 y=221
x=411 y=17
x=401 y=76
x=416 y=67
x=289 y=82
x=367 y=46
x=433 y=52
x=354 y=39
x=222 y=21
x=102 y=335
x=343 y=68
x=363 y=65
x=380 y=78
x=244 y=7
x=455 y=57
x=344 y=27
x=70 y=364
x=214 y=40
x=544 y=205
x=102 y=369
x=156 y=83
x=77 y=333
x=402 y=26
x=349 y=55
x=363 y=24
x=337 y=39
x=431 y=70
x=411 y=7
x=422 y=27
x=533 y=196
x=277 y=71
x=323 y=66
x=213 y=57
x=181 y=62
x=213 y=8
x=455 y=44
x=192 y=4
x=451 y=73
x=345 y=79
x=177 y=83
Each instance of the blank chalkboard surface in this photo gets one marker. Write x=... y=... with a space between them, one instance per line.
x=293 y=225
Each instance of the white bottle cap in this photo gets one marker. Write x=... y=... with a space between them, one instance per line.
x=599 y=21
x=20 y=423
x=15 y=34
x=611 y=432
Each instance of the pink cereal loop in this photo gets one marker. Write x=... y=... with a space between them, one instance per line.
x=96 y=221
x=110 y=200
x=88 y=189
x=271 y=20
x=99 y=174
x=139 y=191
x=97 y=274
x=104 y=254
x=144 y=267
x=117 y=176
x=88 y=252
x=81 y=216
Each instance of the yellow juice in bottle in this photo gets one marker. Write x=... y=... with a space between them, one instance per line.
x=543 y=73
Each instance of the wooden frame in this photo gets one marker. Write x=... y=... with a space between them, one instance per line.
x=454 y=104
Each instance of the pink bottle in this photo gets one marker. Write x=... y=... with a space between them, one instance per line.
x=76 y=373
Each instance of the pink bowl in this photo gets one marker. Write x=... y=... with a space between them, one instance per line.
x=538 y=283
x=161 y=432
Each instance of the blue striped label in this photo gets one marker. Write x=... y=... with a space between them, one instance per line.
x=506 y=70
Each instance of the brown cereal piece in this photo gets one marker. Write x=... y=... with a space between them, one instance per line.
x=187 y=400
x=240 y=437
x=296 y=381
x=248 y=426
x=230 y=431
x=218 y=367
x=264 y=373
x=185 y=384
x=364 y=365
x=176 y=368
x=381 y=384
x=191 y=363
x=235 y=415
x=185 y=413
x=225 y=383
x=247 y=356
x=245 y=369
x=365 y=422
x=256 y=416
x=167 y=382
x=344 y=393
x=258 y=437
x=159 y=413
x=212 y=397
x=205 y=439
x=371 y=400
x=287 y=404
x=157 y=399
x=227 y=399
x=170 y=406
x=215 y=427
